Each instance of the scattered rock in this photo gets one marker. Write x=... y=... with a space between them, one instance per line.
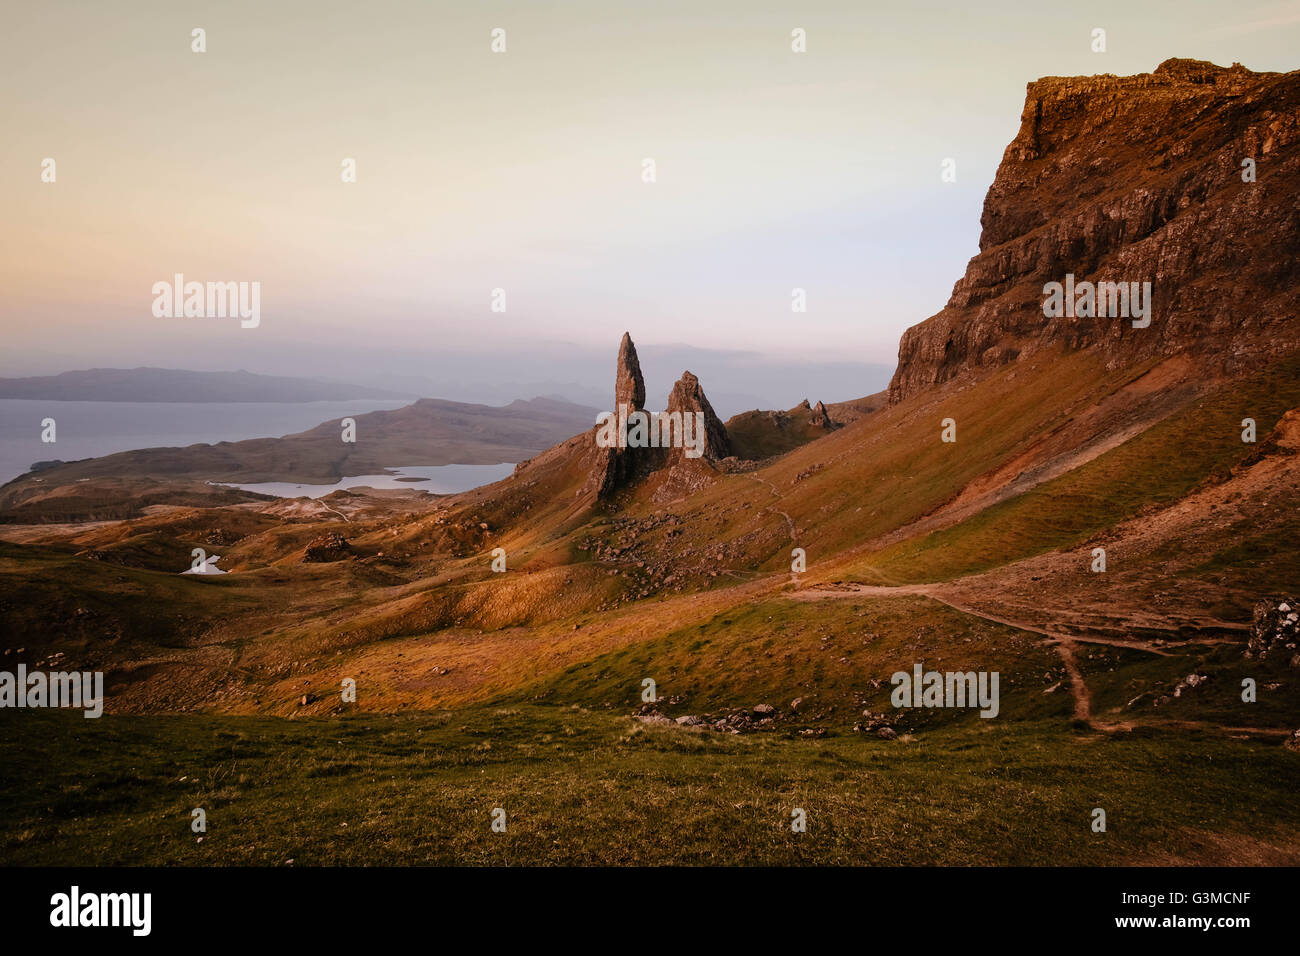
x=1188 y=682
x=1275 y=631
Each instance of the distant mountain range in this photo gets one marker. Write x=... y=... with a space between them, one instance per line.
x=181 y=385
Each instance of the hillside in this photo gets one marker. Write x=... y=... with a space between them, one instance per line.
x=1121 y=688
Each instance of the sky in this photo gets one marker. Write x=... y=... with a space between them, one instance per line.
x=524 y=171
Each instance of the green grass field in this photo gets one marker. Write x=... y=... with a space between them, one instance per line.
x=582 y=787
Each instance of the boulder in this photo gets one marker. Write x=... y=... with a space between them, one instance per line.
x=1275 y=631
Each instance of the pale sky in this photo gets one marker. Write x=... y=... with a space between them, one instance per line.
x=523 y=171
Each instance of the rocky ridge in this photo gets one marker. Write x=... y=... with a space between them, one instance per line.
x=1136 y=178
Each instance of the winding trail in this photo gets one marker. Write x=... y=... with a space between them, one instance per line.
x=339 y=513
x=789 y=522
x=1064 y=644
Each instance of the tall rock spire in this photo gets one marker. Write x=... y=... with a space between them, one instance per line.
x=629 y=386
x=618 y=467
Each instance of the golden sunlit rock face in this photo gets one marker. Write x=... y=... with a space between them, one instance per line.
x=1184 y=178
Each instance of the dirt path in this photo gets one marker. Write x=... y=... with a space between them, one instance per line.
x=789 y=522
x=339 y=513
x=1064 y=644
x=1078 y=689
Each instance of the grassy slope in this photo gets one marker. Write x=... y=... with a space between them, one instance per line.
x=881 y=473
x=582 y=787
x=583 y=783
x=828 y=655
x=555 y=745
x=1155 y=468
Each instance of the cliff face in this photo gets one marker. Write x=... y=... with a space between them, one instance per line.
x=1133 y=179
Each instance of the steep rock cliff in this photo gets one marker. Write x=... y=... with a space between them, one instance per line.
x=1135 y=179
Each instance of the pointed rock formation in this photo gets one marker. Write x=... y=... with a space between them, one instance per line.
x=615 y=468
x=688 y=397
x=821 y=417
x=629 y=386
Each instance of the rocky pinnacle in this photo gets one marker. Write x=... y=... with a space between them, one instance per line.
x=687 y=397
x=629 y=387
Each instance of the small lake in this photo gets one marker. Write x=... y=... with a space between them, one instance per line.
x=438 y=479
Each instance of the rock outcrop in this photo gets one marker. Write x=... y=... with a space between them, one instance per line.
x=1133 y=179
x=688 y=398
x=612 y=469
x=629 y=386
x=1275 y=632
x=821 y=417
x=619 y=466
x=326 y=548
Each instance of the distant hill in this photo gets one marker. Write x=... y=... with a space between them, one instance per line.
x=762 y=434
x=180 y=385
x=428 y=432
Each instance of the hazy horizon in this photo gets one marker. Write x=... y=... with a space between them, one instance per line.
x=522 y=171
x=734 y=381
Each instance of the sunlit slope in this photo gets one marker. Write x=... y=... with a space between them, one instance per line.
x=848 y=491
x=1198 y=443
